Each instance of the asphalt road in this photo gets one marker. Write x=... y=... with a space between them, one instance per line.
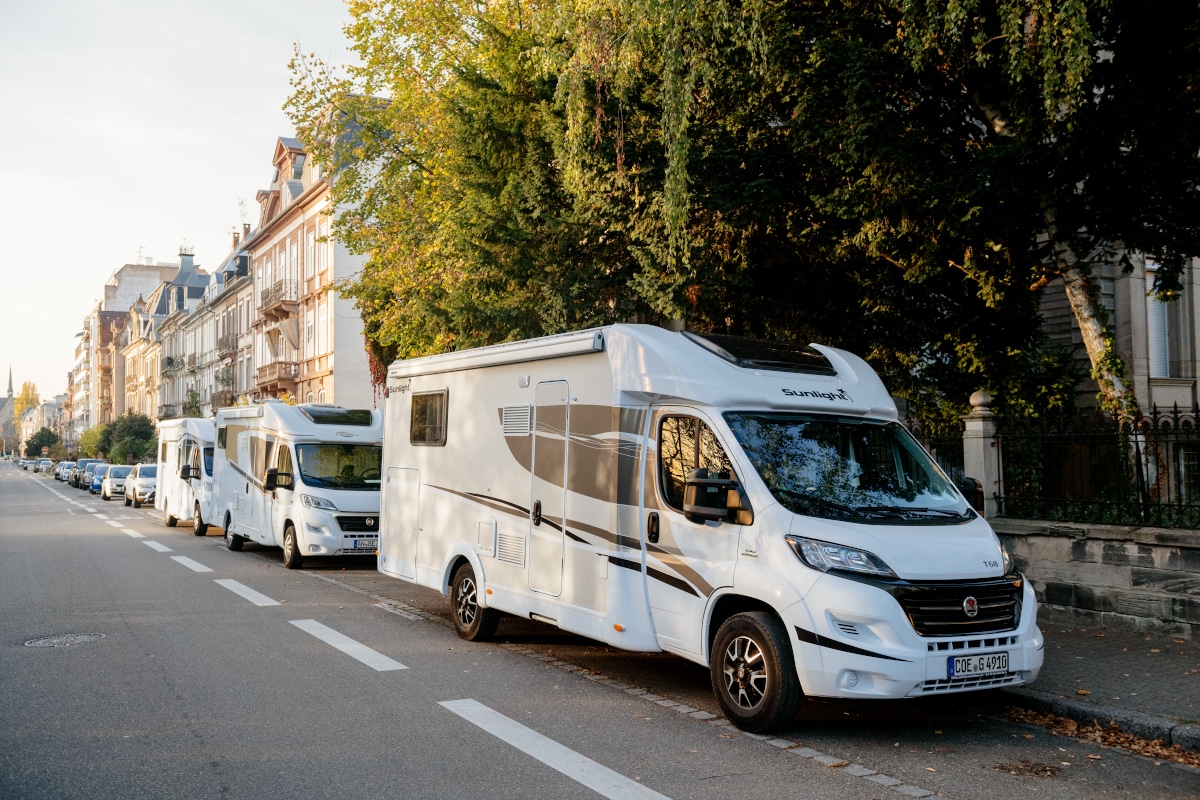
x=224 y=675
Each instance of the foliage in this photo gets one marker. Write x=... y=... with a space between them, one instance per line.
x=131 y=424
x=26 y=399
x=44 y=437
x=899 y=178
x=133 y=450
x=191 y=404
x=131 y=437
x=92 y=442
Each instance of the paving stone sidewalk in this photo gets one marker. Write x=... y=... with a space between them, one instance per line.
x=1148 y=685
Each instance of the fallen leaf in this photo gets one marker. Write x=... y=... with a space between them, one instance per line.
x=1155 y=650
x=1083 y=692
x=930 y=769
x=1095 y=757
x=1027 y=735
x=837 y=764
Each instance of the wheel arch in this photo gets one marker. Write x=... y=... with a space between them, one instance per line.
x=463 y=553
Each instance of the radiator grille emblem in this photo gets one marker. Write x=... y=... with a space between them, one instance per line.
x=971 y=607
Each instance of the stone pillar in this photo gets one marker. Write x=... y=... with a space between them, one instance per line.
x=981 y=452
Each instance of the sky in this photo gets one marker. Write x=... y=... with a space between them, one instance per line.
x=127 y=128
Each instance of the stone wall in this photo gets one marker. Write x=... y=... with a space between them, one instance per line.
x=1145 y=579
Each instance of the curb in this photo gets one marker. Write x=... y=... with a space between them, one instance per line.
x=1145 y=726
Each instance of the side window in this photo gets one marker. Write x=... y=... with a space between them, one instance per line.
x=221 y=434
x=283 y=466
x=428 y=418
x=685 y=443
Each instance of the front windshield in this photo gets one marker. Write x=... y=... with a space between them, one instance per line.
x=847 y=468
x=340 y=466
x=119 y=472
x=148 y=472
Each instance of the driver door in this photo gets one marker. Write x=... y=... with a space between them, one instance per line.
x=280 y=500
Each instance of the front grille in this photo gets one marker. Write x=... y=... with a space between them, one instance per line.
x=360 y=524
x=937 y=609
x=963 y=684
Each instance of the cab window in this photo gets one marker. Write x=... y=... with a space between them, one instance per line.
x=685 y=443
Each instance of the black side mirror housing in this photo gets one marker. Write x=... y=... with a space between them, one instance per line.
x=707 y=498
x=185 y=472
x=972 y=490
x=271 y=481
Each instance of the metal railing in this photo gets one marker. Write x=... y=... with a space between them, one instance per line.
x=279 y=292
x=276 y=371
x=223 y=398
x=1091 y=468
x=166 y=411
x=227 y=344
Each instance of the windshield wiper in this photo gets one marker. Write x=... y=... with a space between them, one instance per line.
x=821 y=502
x=905 y=511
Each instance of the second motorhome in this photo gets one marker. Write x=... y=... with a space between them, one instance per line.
x=753 y=507
x=185 y=470
x=302 y=478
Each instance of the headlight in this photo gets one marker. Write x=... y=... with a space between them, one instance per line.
x=826 y=556
x=1007 y=560
x=317 y=502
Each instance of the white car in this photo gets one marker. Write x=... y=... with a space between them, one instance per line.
x=141 y=484
x=114 y=481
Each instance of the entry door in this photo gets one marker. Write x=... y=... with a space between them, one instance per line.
x=280 y=500
x=400 y=515
x=548 y=497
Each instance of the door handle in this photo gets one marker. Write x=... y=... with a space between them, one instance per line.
x=652 y=528
x=537 y=512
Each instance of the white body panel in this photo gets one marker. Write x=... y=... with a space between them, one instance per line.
x=251 y=440
x=182 y=442
x=568 y=426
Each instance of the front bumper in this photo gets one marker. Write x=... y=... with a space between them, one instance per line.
x=854 y=640
x=324 y=533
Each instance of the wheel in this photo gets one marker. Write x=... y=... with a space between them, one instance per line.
x=104 y=496
x=291 y=549
x=171 y=518
x=753 y=672
x=127 y=501
x=232 y=540
x=473 y=623
x=199 y=526
x=136 y=503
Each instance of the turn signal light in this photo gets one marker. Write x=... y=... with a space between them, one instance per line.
x=618 y=627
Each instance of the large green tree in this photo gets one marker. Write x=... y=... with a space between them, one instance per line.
x=44 y=437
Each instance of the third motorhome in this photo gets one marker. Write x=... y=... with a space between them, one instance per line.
x=303 y=478
x=753 y=507
x=185 y=462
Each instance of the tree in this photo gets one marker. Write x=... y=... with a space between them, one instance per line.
x=131 y=436
x=92 y=441
x=27 y=398
x=43 y=438
x=191 y=404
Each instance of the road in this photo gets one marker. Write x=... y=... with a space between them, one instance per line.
x=224 y=675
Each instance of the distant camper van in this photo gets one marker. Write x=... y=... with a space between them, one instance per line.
x=185 y=461
x=302 y=478
x=747 y=505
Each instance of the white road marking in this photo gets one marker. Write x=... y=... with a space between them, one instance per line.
x=258 y=598
x=373 y=659
x=194 y=566
x=132 y=534
x=114 y=523
x=577 y=767
x=159 y=546
x=101 y=516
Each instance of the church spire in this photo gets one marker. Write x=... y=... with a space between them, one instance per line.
x=10 y=392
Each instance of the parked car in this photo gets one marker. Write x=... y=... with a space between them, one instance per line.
x=97 y=477
x=44 y=465
x=80 y=472
x=141 y=484
x=113 y=482
x=63 y=471
x=25 y=464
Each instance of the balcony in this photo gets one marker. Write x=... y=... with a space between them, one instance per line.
x=131 y=383
x=223 y=398
x=173 y=363
x=167 y=412
x=191 y=362
x=279 y=300
x=227 y=345
x=277 y=376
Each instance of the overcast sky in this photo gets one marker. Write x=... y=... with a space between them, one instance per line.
x=128 y=127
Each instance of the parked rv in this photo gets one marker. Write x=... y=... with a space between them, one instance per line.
x=750 y=506
x=185 y=482
x=303 y=478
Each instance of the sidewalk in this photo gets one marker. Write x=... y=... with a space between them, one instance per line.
x=1146 y=685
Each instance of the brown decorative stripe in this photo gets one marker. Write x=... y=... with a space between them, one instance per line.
x=662 y=577
x=676 y=563
x=809 y=637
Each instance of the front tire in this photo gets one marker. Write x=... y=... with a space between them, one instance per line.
x=104 y=496
x=232 y=540
x=199 y=526
x=291 y=549
x=137 y=503
x=753 y=672
x=473 y=623
x=171 y=520
x=127 y=501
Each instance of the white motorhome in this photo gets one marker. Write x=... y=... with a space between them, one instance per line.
x=304 y=478
x=750 y=506
x=185 y=471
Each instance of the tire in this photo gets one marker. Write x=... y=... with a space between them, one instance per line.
x=291 y=549
x=199 y=526
x=137 y=503
x=104 y=497
x=754 y=673
x=232 y=540
x=473 y=623
x=127 y=501
x=171 y=519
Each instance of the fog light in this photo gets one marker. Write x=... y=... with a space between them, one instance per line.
x=851 y=679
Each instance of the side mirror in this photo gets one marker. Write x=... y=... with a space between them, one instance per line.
x=271 y=481
x=972 y=489
x=284 y=480
x=185 y=472
x=709 y=498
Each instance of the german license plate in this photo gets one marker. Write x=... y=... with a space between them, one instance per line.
x=366 y=544
x=972 y=666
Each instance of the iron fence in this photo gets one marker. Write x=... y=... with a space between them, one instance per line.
x=1088 y=467
x=944 y=441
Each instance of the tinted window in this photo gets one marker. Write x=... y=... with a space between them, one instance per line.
x=338 y=416
x=685 y=443
x=428 y=418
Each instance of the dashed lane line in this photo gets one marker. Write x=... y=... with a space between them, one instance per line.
x=576 y=766
x=159 y=546
x=194 y=566
x=356 y=650
x=242 y=590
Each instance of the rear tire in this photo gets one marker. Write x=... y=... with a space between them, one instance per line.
x=137 y=503
x=171 y=520
x=473 y=623
x=127 y=501
x=199 y=526
x=754 y=673
x=232 y=540
x=291 y=549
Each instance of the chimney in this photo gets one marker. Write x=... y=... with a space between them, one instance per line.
x=237 y=238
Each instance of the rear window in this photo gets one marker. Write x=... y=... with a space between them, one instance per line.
x=332 y=415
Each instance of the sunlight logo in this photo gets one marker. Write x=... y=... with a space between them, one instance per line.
x=840 y=394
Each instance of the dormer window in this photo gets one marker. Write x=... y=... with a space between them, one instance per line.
x=298 y=167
